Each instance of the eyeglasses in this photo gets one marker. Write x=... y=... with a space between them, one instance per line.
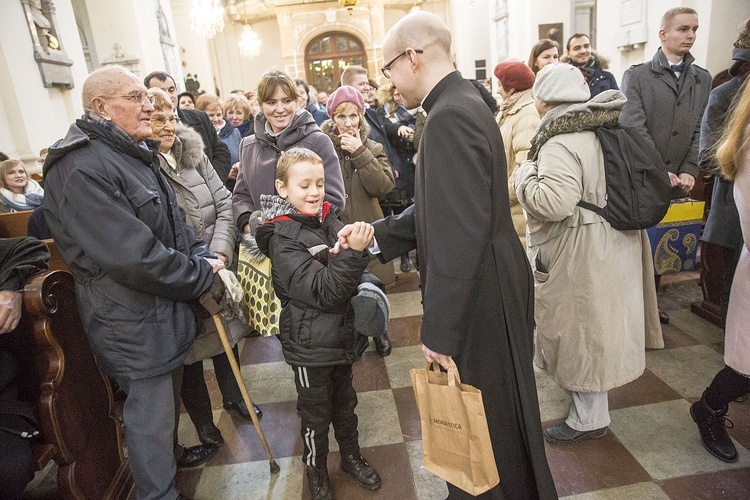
x=386 y=70
x=137 y=97
x=160 y=121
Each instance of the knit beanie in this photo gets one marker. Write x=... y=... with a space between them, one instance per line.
x=514 y=75
x=559 y=83
x=343 y=94
x=371 y=310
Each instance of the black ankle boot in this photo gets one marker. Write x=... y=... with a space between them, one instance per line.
x=319 y=483
x=712 y=427
x=364 y=473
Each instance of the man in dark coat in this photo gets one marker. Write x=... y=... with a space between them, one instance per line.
x=592 y=65
x=136 y=264
x=667 y=96
x=666 y=99
x=477 y=287
x=215 y=149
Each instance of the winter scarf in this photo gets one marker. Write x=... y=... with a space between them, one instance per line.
x=508 y=104
x=29 y=200
x=601 y=110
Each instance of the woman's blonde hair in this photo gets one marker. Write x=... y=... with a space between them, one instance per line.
x=159 y=99
x=735 y=138
x=237 y=101
x=385 y=95
x=208 y=101
x=292 y=157
x=5 y=168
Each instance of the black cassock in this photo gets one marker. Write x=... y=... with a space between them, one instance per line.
x=477 y=286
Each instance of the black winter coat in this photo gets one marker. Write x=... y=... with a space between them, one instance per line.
x=316 y=324
x=135 y=261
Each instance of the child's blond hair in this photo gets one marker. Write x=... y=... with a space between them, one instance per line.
x=292 y=157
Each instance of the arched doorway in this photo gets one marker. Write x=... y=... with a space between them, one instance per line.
x=327 y=55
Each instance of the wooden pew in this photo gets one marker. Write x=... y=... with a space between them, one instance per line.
x=82 y=432
x=14 y=224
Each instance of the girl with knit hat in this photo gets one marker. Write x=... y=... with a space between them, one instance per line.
x=517 y=120
x=364 y=165
x=595 y=300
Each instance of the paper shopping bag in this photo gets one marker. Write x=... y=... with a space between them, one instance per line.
x=455 y=435
x=263 y=306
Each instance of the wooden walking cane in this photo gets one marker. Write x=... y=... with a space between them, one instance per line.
x=208 y=303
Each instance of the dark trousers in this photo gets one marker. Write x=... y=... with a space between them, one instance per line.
x=195 y=393
x=150 y=415
x=727 y=386
x=16 y=465
x=325 y=395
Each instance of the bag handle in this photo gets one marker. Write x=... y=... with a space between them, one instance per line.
x=453 y=376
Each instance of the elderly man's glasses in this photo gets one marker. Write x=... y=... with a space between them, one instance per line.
x=137 y=97
x=386 y=70
x=160 y=121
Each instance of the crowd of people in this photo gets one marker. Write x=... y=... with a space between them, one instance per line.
x=333 y=185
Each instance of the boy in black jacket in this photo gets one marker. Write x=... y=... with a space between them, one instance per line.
x=317 y=321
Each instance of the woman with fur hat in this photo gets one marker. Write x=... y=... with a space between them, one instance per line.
x=595 y=301
x=517 y=120
x=208 y=210
x=364 y=165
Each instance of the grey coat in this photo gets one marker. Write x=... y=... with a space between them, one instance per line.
x=200 y=192
x=667 y=111
x=723 y=223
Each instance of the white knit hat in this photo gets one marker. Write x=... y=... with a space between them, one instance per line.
x=558 y=83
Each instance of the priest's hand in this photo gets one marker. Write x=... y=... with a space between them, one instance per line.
x=431 y=356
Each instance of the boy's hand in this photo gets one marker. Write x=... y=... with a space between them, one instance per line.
x=360 y=236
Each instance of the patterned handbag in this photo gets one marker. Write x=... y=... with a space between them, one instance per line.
x=264 y=307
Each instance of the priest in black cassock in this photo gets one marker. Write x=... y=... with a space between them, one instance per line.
x=477 y=287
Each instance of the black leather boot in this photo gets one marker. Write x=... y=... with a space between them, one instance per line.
x=383 y=345
x=364 y=473
x=712 y=427
x=319 y=483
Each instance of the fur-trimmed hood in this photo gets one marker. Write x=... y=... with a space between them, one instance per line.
x=187 y=148
x=600 y=110
x=329 y=128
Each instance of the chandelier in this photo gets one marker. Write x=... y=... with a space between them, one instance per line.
x=249 y=43
x=207 y=17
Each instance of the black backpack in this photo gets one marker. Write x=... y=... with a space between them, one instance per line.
x=638 y=186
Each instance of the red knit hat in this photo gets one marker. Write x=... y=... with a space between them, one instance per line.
x=514 y=75
x=343 y=94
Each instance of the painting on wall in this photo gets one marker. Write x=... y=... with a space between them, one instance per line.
x=553 y=31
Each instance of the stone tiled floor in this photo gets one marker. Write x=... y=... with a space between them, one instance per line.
x=652 y=450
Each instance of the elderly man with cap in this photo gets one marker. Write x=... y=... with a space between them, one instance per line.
x=517 y=120
x=594 y=286
x=136 y=264
x=364 y=165
x=476 y=285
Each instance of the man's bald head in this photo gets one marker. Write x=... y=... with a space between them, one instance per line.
x=103 y=82
x=419 y=30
